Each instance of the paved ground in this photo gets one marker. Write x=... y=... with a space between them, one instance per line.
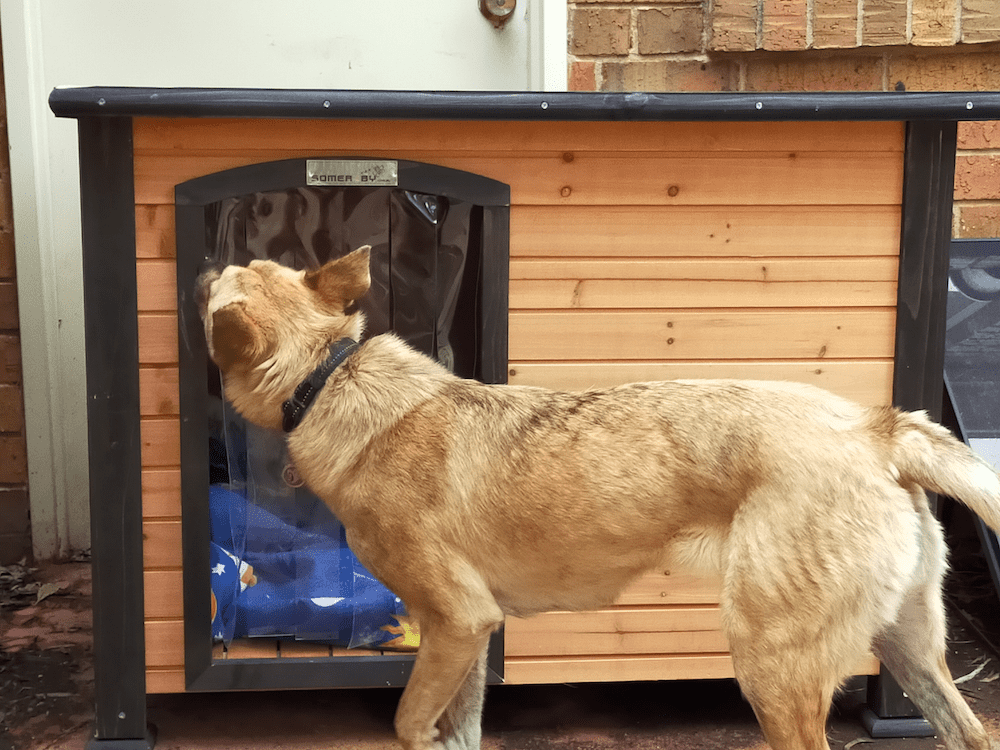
x=46 y=689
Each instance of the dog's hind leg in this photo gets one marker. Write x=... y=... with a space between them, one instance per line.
x=787 y=667
x=790 y=612
x=920 y=669
x=461 y=724
x=913 y=649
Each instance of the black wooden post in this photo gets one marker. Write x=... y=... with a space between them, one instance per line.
x=111 y=329
x=928 y=189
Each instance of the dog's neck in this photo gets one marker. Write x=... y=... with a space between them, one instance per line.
x=295 y=408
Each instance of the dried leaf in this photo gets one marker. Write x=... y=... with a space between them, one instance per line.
x=972 y=674
x=46 y=590
x=858 y=741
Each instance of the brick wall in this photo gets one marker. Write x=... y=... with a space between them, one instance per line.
x=15 y=535
x=805 y=45
x=977 y=180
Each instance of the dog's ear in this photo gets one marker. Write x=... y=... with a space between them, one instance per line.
x=235 y=337
x=344 y=280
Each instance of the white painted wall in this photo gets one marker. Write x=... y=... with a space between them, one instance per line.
x=327 y=44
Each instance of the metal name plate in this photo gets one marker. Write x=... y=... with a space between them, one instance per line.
x=351 y=172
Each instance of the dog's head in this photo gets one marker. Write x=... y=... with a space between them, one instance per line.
x=266 y=324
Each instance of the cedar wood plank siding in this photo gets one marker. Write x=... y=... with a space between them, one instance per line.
x=639 y=251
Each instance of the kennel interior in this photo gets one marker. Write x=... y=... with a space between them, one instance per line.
x=787 y=236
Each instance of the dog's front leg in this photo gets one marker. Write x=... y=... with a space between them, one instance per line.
x=461 y=724
x=445 y=676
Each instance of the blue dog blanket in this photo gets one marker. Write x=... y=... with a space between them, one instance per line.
x=285 y=571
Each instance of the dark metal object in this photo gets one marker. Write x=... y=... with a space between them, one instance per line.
x=970 y=362
x=882 y=729
x=547 y=106
x=987 y=537
x=497 y=12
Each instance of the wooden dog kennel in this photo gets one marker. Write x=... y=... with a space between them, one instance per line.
x=651 y=236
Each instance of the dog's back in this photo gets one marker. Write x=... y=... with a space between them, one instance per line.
x=471 y=501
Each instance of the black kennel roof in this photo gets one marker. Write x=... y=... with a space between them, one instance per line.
x=492 y=105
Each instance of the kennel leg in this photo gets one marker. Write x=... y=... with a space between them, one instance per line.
x=146 y=743
x=890 y=713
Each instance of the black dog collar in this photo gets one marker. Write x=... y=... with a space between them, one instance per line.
x=295 y=408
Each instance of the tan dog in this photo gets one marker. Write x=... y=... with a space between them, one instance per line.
x=514 y=500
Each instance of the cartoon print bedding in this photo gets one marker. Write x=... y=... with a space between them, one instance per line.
x=280 y=564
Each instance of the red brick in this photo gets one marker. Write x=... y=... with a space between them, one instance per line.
x=980 y=21
x=11 y=408
x=784 y=73
x=977 y=177
x=835 y=24
x=978 y=221
x=784 y=24
x=6 y=255
x=14 y=510
x=600 y=31
x=663 y=75
x=8 y=305
x=884 y=22
x=667 y=30
x=582 y=76
x=979 y=135
x=934 y=22
x=13 y=460
x=959 y=71
x=6 y=208
x=14 y=519
x=15 y=526
x=10 y=359
x=734 y=26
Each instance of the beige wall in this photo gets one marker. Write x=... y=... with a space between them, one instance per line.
x=795 y=45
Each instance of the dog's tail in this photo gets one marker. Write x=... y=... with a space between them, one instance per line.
x=927 y=454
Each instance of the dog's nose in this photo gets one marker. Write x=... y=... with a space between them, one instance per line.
x=209 y=265
x=208 y=272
